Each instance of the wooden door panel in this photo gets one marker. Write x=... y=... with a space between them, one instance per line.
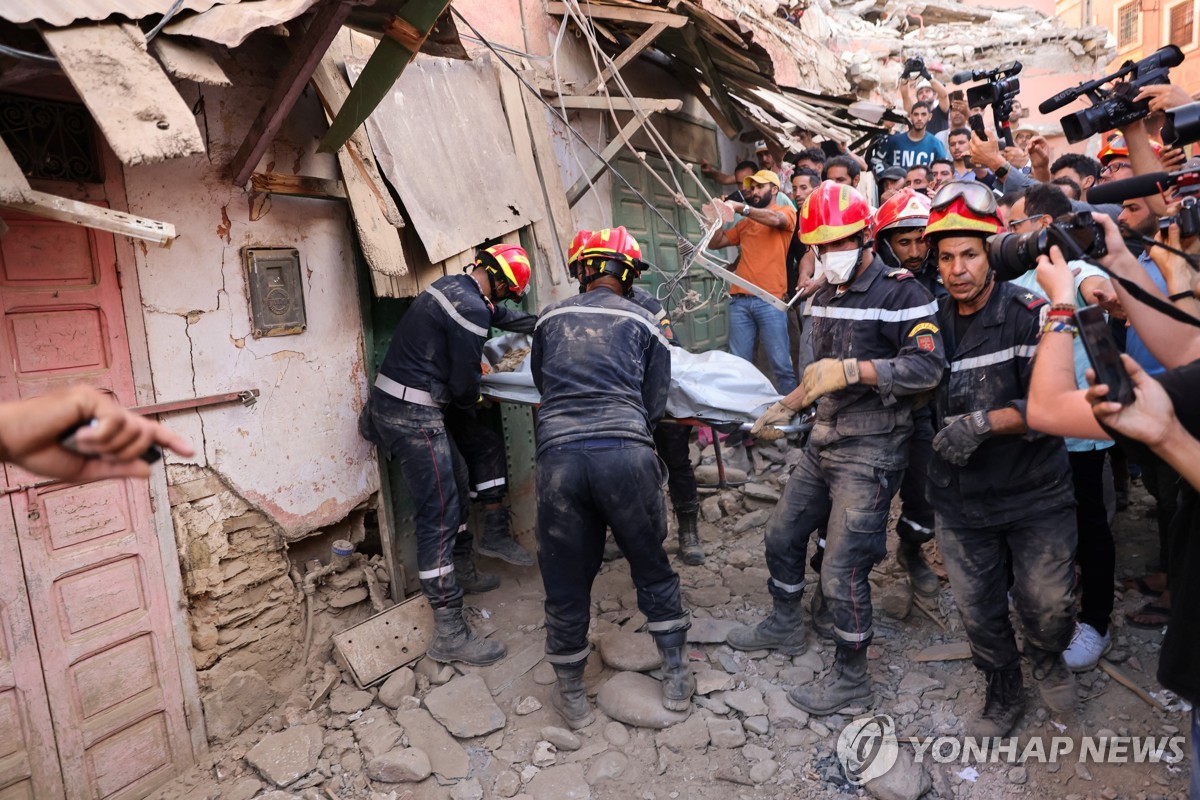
x=90 y=553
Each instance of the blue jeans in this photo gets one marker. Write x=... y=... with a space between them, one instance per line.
x=750 y=319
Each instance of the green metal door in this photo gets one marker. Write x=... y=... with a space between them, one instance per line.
x=706 y=328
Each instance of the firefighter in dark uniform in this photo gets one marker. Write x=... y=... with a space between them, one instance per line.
x=877 y=347
x=603 y=368
x=477 y=433
x=670 y=440
x=433 y=362
x=999 y=490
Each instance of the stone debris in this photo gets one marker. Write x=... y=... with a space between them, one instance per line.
x=692 y=734
x=465 y=707
x=725 y=732
x=748 y=701
x=710 y=680
x=566 y=782
x=710 y=631
x=284 y=757
x=507 y=784
x=406 y=765
x=346 y=700
x=624 y=650
x=526 y=706
x=401 y=683
x=616 y=734
x=467 y=790
x=447 y=757
x=544 y=755
x=608 y=765
x=636 y=699
x=561 y=738
x=906 y=780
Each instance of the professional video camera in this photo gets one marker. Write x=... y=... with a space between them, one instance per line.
x=1186 y=183
x=999 y=92
x=1011 y=255
x=915 y=66
x=1182 y=125
x=1112 y=108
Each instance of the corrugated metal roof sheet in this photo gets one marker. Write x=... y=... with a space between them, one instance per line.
x=63 y=12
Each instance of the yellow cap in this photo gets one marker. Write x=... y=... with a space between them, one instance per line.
x=762 y=176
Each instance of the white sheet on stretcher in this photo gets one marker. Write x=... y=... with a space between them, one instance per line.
x=713 y=385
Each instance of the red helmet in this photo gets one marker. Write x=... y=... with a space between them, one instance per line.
x=906 y=208
x=834 y=211
x=616 y=253
x=575 y=250
x=508 y=262
x=963 y=208
x=1116 y=146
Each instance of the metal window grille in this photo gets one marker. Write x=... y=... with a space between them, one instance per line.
x=49 y=139
x=1127 y=24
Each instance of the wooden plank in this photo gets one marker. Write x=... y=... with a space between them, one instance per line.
x=293 y=78
x=14 y=186
x=505 y=674
x=628 y=54
x=593 y=103
x=189 y=61
x=598 y=166
x=132 y=100
x=622 y=13
x=704 y=62
x=954 y=651
x=297 y=186
x=1120 y=676
x=64 y=209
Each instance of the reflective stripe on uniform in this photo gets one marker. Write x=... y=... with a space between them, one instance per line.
x=449 y=308
x=612 y=312
x=429 y=574
x=479 y=487
x=462 y=527
x=877 y=314
x=408 y=394
x=991 y=359
x=853 y=637
x=788 y=587
x=668 y=625
x=569 y=658
x=916 y=526
x=821 y=542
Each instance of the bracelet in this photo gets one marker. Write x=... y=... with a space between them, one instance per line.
x=1063 y=307
x=1180 y=296
x=850 y=368
x=1060 y=312
x=1061 y=327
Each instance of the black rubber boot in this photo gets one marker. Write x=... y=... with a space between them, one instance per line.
x=473 y=581
x=847 y=683
x=1056 y=683
x=1002 y=706
x=822 y=617
x=782 y=631
x=678 y=683
x=497 y=540
x=690 y=550
x=453 y=640
x=571 y=696
x=923 y=579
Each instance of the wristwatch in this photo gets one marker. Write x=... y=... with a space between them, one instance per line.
x=745 y=209
x=1003 y=170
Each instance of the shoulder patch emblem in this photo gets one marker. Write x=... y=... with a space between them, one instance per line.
x=1031 y=300
x=925 y=342
x=923 y=326
x=899 y=274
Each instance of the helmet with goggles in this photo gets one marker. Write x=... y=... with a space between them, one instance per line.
x=963 y=208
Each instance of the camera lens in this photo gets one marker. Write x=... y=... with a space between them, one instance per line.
x=1182 y=125
x=1011 y=255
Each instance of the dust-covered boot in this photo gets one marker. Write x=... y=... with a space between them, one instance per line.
x=678 y=683
x=497 y=540
x=690 y=550
x=570 y=697
x=1056 y=683
x=822 y=617
x=782 y=631
x=1002 y=705
x=453 y=640
x=923 y=579
x=472 y=580
x=847 y=683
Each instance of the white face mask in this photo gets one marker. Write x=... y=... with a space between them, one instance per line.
x=838 y=266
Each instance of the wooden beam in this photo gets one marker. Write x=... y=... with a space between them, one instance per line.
x=189 y=60
x=295 y=75
x=132 y=100
x=704 y=62
x=599 y=165
x=628 y=54
x=623 y=14
x=731 y=127
x=89 y=216
x=594 y=103
x=297 y=186
x=14 y=187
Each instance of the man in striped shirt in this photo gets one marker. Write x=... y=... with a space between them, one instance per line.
x=1001 y=493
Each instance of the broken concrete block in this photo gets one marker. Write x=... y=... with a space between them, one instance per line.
x=284 y=757
x=347 y=700
x=407 y=765
x=240 y=701
x=564 y=782
x=636 y=699
x=401 y=683
x=447 y=757
x=465 y=707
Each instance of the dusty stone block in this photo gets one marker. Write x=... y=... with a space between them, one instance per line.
x=284 y=757
x=241 y=700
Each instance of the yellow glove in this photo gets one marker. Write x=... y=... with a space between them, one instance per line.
x=827 y=376
x=777 y=414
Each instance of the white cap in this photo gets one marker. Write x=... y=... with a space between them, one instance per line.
x=924 y=84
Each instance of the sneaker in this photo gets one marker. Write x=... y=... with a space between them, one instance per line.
x=1087 y=647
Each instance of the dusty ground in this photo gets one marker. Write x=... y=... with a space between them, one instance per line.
x=742 y=739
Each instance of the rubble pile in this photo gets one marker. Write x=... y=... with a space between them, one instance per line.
x=439 y=731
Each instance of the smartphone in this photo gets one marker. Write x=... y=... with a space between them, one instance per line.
x=975 y=121
x=1103 y=353
x=957 y=94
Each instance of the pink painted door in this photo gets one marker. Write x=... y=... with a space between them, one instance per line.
x=88 y=554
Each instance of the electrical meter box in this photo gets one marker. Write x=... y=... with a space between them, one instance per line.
x=276 y=291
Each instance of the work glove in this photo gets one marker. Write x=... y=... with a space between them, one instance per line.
x=962 y=436
x=827 y=376
x=778 y=414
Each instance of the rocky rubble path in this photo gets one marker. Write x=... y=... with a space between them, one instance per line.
x=435 y=731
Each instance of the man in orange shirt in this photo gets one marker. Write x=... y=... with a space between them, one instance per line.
x=763 y=235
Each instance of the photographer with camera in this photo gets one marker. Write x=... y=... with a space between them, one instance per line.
x=929 y=90
x=999 y=490
x=1163 y=416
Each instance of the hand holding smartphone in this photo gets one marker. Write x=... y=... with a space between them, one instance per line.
x=1102 y=351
